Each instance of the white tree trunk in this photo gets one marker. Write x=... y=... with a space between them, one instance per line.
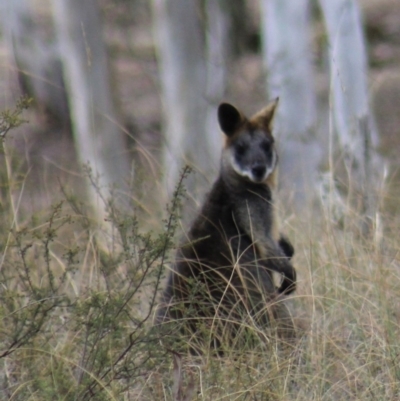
x=287 y=57
x=98 y=137
x=37 y=62
x=348 y=69
x=217 y=54
x=192 y=71
x=354 y=124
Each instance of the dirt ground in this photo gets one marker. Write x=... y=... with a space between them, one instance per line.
x=46 y=152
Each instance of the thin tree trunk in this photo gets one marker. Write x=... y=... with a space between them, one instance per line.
x=37 y=61
x=217 y=55
x=98 y=137
x=353 y=121
x=287 y=57
x=192 y=72
x=348 y=68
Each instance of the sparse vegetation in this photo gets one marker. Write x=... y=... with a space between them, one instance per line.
x=76 y=321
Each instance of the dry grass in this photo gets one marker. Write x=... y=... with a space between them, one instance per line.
x=346 y=309
x=347 y=313
x=75 y=320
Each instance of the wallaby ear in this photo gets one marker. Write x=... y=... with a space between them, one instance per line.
x=229 y=118
x=265 y=117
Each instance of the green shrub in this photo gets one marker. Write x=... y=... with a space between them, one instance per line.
x=76 y=317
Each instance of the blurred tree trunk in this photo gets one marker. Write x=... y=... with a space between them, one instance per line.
x=192 y=71
x=287 y=57
x=353 y=121
x=348 y=70
x=216 y=56
x=98 y=136
x=37 y=61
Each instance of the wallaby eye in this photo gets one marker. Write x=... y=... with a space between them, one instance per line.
x=266 y=147
x=241 y=149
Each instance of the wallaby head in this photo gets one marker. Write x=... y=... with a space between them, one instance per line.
x=249 y=151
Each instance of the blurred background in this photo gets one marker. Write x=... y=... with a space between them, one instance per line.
x=124 y=94
x=130 y=89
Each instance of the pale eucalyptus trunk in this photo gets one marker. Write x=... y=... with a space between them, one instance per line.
x=98 y=136
x=287 y=59
x=35 y=59
x=192 y=74
x=348 y=71
x=352 y=120
x=351 y=132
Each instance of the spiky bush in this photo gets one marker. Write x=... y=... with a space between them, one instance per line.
x=76 y=316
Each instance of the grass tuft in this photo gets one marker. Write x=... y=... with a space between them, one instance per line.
x=76 y=320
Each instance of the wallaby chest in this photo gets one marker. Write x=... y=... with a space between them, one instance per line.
x=217 y=235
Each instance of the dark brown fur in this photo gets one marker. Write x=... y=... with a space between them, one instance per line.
x=223 y=269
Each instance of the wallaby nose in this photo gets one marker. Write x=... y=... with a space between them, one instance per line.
x=258 y=172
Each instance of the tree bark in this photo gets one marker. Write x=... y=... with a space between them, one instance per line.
x=348 y=71
x=353 y=122
x=287 y=58
x=192 y=73
x=37 y=61
x=98 y=137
